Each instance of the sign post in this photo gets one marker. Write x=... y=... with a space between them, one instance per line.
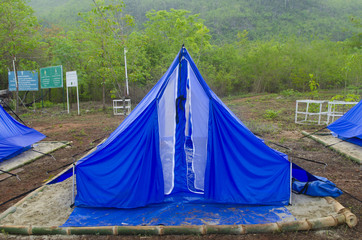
x=17 y=87
x=72 y=81
x=125 y=69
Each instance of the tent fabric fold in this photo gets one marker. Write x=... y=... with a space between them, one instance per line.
x=308 y=184
x=182 y=140
x=15 y=137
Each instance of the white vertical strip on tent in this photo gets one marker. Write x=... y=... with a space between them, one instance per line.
x=167 y=130
x=189 y=145
x=199 y=109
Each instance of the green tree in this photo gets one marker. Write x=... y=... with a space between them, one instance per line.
x=104 y=36
x=166 y=31
x=18 y=34
x=356 y=40
x=151 y=50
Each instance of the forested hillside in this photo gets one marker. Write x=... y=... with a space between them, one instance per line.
x=239 y=46
x=263 y=19
x=60 y=12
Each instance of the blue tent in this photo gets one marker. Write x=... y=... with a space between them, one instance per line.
x=181 y=140
x=14 y=136
x=349 y=126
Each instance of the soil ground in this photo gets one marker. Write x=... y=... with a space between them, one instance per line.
x=269 y=116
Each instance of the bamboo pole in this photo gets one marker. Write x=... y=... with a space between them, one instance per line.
x=351 y=219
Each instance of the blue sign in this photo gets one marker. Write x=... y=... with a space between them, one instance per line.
x=28 y=81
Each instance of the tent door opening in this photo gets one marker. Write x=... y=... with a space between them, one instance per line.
x=183 y=130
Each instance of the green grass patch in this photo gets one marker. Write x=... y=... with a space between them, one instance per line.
x=271 y=114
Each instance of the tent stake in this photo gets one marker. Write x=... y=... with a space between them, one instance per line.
x=46 y=154
x=313 y=133
x=53 y=170
x=335 y=143
x=12 y=174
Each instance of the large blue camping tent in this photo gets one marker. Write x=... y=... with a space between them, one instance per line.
x=349 y=126
x=14 y=136
x=181 y=140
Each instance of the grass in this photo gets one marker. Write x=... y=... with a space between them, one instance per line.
x=241 y=95
x=260 y=128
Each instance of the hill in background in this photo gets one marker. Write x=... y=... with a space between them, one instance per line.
x=263 y=19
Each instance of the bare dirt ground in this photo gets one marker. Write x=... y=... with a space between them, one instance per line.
x=93 y=124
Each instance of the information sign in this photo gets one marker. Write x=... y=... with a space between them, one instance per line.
x=27 y=80
x=51 y=77
x=72 y=79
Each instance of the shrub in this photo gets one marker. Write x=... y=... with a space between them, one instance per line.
x=271 y=114
x=346 y=98
x=290 y=93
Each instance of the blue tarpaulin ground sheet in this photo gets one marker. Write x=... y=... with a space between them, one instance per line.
x=178 y=213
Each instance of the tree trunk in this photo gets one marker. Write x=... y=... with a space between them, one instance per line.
x=104 y=81
x=17 y=94
x=17 y=87
x=104 y=94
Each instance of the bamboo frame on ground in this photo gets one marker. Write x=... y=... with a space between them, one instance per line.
x=344 y=215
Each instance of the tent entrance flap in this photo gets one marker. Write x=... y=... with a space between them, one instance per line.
x=196 y=132
x=167 y=128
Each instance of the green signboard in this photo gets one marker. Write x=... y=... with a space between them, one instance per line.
x=51 y=77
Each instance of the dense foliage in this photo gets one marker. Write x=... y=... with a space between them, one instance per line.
x=239 y=46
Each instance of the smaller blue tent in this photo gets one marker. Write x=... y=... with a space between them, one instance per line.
x=349 y=126
x=15 y=137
